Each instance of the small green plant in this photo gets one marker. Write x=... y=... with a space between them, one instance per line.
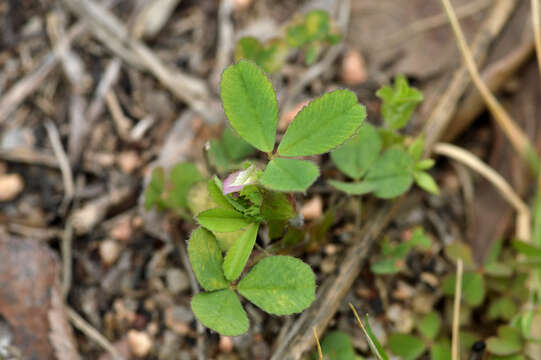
x=310 y=34
x=336 y=345
x=394 y=256
x=231 y=213
x=378 y=160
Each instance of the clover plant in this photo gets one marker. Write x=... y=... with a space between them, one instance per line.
x=378 y=160
x=310 y=34
x=232 y=212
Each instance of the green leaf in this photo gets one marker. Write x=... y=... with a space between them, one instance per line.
x=357 y=154
x=155 y=188
x=182 y=177
x=458 y=250
x=223 y=220
x=323 y=124
x=429 y=326
x=498 y=269
x=337 y=346
x=408 y=347
x=494 y=251
x=503 y=308
x=206 y=259
x=226 y=152
x=426 y=182
x=385 y=267
x=398 y=103
x=289 y=175
x=473 y=287
x=248 y=48
x=353 y=188
x=250 y=104
x=526 y=249
x=238 y=254
x=373 y=341
x=416 y=148
x=317 y=24
x=420 y=240
x=508 y=341
x=441 y=350
x=221 y=311
x=277 y=206
x=391 y=174
x=280 y=285
x=425 y=164
x=216 y=194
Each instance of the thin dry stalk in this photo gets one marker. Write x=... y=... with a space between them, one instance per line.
x=507 y=192
x=87 y=329
x=518 y=138
x=456 y=310
x=536 y=22
x=320 y=353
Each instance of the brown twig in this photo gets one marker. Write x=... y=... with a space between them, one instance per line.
x=536 y=23
x=518 y=138
x=443 y=112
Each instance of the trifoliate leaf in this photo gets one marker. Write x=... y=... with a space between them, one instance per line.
x=391 y=174
x=399 y=102
x=508 y=341
x=280 y=285
x=289 y=175
x=226 y=152
x=323 y=124
x=408 y=347
x=416 y=148
x=277 y=206
x=357 y=154
x=216 y=194
x=238 y=254
x=221 y=311
x=441 y=350
x=206 y=259
x=458 y=250
x=223 y=220
x=502 y=308
x=250 y=104
x=529 y=250
x=473 y=287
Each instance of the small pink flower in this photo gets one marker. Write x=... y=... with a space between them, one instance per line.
x=239 y=179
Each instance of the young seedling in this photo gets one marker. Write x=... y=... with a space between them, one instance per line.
x=336 y=345
x=251 y=198
x=378 y=160
x=310 y=34
x=394 y=256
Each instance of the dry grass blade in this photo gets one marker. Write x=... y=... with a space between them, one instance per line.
x=536 y=22
x=372 y=342
x=517 y=137
x=456 y=311
x=320 y=353
x=473 y=162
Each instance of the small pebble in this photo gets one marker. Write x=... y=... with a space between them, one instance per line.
x=353 y=68
x=403 y=291
x=241 y=4
x=11 y=185
x=430 y=279
x=328 y=265
x=128 y=161
x=140 y=343
x=312 y=209
x=177 y=280
x=109 y=251
x=226 y=345
x=122 y=230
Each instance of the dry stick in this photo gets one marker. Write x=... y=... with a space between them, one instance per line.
x=320 y=353
x=63 y=162
x=507 y=192
x=517 y=137
x=495 y=76
x=536 y=22
x=443 y=112
x=456 y=311
x=66 y=251
x=113 y=34
x=333 y=290
x=225 y=41
x=430 y=23
x=92 y=333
